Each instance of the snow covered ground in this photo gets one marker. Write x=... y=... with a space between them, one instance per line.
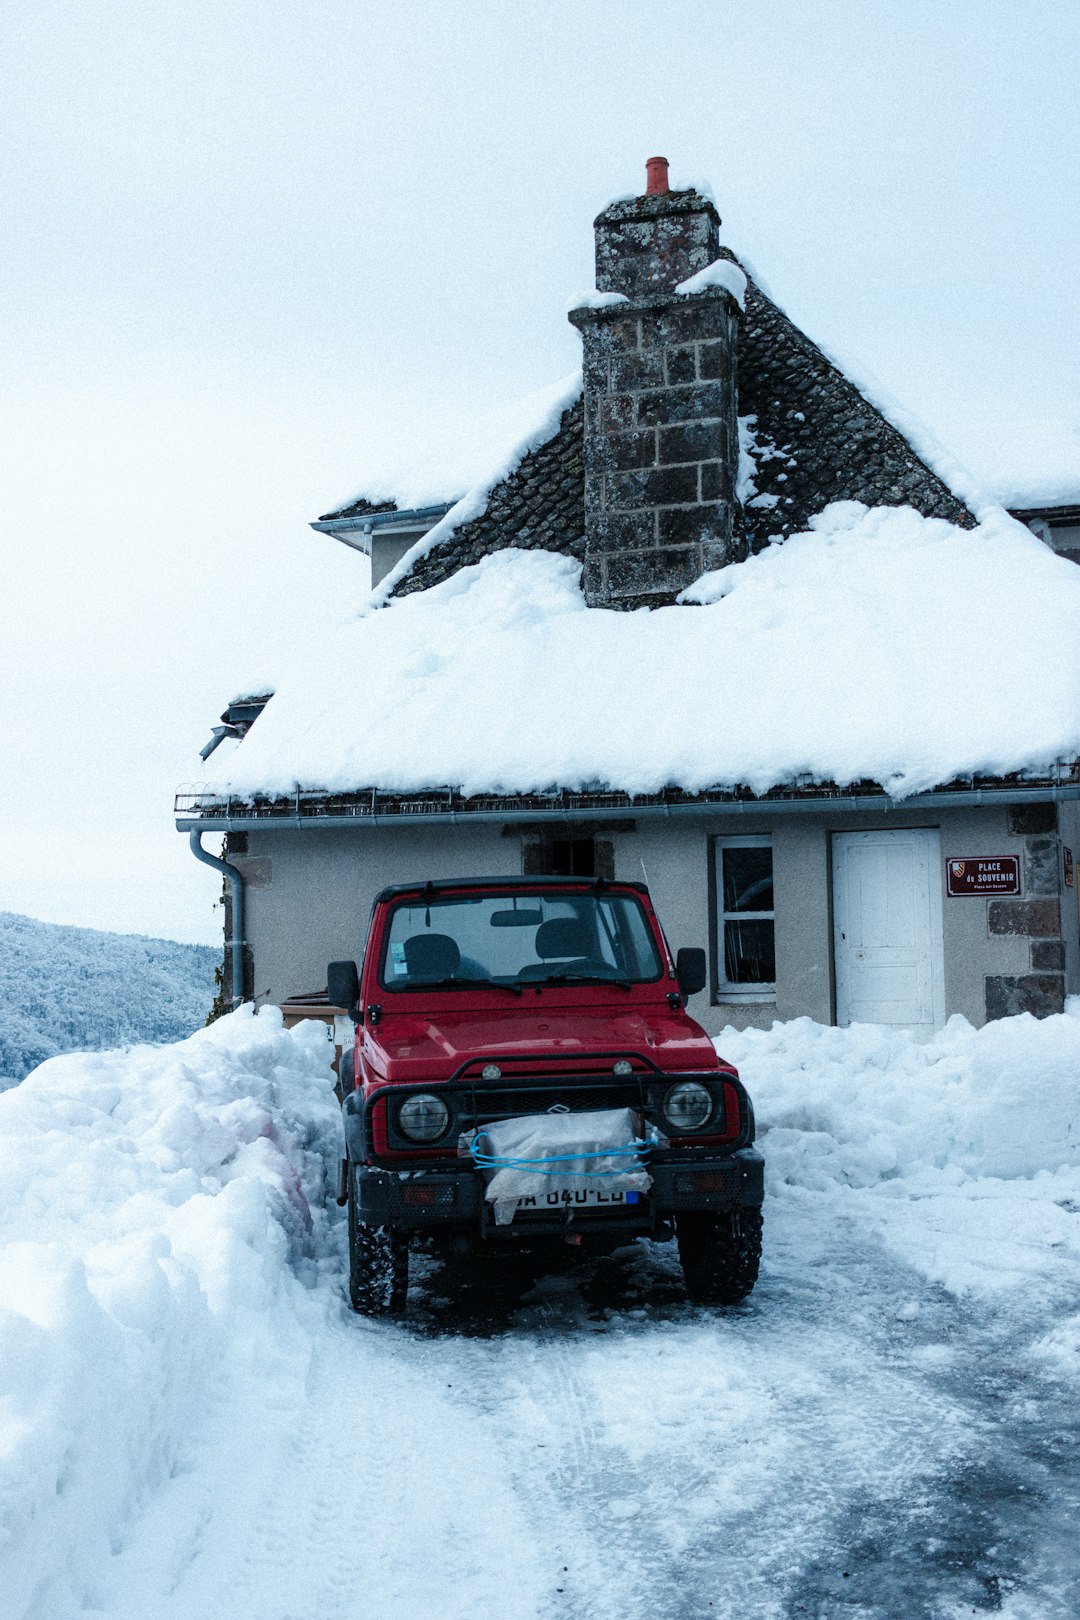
x=192 y=1423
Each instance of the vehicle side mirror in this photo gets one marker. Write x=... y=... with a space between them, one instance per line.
x=691 y=970
x=342 y=985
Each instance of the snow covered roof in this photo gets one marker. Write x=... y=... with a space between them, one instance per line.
x=470 y=456
x=812 y=436
x=1024 y=464
x=877 y=645
x=880 y=575
x=814 y=433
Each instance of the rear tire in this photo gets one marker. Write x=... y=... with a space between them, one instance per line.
x=378 y=1264
x=720 y=1254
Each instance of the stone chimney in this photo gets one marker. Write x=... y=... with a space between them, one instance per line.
x=661 y=432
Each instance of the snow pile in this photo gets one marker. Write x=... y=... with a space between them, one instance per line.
x=157 y=1206
x=63 y=989
x=962 y=1152
x=501 y=680
x=721 y=273
x=593 y=298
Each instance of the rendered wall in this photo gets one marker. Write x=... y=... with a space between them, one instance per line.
x=678 y=856
x=310 y=893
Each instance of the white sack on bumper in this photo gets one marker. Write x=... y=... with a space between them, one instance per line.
x=540 y=1154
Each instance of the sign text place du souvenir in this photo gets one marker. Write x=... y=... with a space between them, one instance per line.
x=983 y=874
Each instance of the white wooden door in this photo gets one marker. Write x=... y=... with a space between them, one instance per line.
x=887 y=928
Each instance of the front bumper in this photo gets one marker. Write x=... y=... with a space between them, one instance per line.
x=432 y=1196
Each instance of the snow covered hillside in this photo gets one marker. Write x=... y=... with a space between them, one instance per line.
x=66 y=989
x=192 y=1423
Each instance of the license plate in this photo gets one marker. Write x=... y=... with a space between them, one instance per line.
x=579 y=1198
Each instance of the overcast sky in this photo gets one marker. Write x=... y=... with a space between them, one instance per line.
x=252 y=247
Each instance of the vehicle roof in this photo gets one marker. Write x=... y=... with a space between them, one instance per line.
x=516 y=881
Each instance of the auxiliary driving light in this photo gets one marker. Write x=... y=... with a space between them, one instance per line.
x=423 y=1117
x=688 y=1105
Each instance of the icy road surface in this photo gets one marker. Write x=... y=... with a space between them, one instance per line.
x=193 y=1423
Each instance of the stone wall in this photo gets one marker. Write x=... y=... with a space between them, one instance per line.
x=649 y=244
x=661 y=444
x=1035 y=916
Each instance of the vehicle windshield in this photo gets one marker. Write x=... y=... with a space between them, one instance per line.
x=453 y=941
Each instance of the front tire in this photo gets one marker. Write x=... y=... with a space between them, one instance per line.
x=346 y=1080
x=720 y=1254
x=378 y=1264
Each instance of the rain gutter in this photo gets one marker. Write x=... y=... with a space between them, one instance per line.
x=970 y=798
x=365 y=522
x=235 y=879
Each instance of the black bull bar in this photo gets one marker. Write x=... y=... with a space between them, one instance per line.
x=420 y=1188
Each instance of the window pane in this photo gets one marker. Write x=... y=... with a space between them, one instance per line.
x=573 y=857
x=748 y=884
x=478 y=937
x=749 y=951
x=632 y=944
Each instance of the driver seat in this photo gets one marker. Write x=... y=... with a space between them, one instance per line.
x=432 y=956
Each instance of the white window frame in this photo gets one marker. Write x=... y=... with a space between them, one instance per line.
x=726 y=991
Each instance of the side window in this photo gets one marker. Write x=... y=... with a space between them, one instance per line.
x=745 y=918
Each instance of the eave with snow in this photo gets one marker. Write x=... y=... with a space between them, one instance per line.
x=710 y=583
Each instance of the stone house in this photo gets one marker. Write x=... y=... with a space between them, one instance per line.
x=708 y=429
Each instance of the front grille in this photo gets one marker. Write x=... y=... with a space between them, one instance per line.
x=473 y=1103
x=483 y=1105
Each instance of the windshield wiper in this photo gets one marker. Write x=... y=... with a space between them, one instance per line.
x=583 y=978
x=456 y=981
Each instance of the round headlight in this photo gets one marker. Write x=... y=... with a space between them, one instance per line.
x=688 y=1105
x=423 y=1117
x=491 y=1071
x=622 y=1068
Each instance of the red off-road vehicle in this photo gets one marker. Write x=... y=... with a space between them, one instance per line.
x=487 y=1000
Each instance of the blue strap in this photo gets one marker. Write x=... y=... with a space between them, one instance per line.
x=635 y=1153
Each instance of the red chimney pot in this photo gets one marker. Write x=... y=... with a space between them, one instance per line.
x=656 y=171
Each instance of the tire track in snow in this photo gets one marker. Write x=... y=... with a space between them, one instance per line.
x=591 y=1461
x=739 y=1462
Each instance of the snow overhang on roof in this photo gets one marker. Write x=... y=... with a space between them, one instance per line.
x=1030 y=466
x=212 y=812
x=879 y=648
x=455 y=466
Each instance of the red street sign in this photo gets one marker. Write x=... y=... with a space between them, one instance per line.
x=983 y=874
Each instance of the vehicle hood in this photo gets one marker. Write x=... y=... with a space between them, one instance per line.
x=434 y=1046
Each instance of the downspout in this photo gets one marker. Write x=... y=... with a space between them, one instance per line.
x=236 y=932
